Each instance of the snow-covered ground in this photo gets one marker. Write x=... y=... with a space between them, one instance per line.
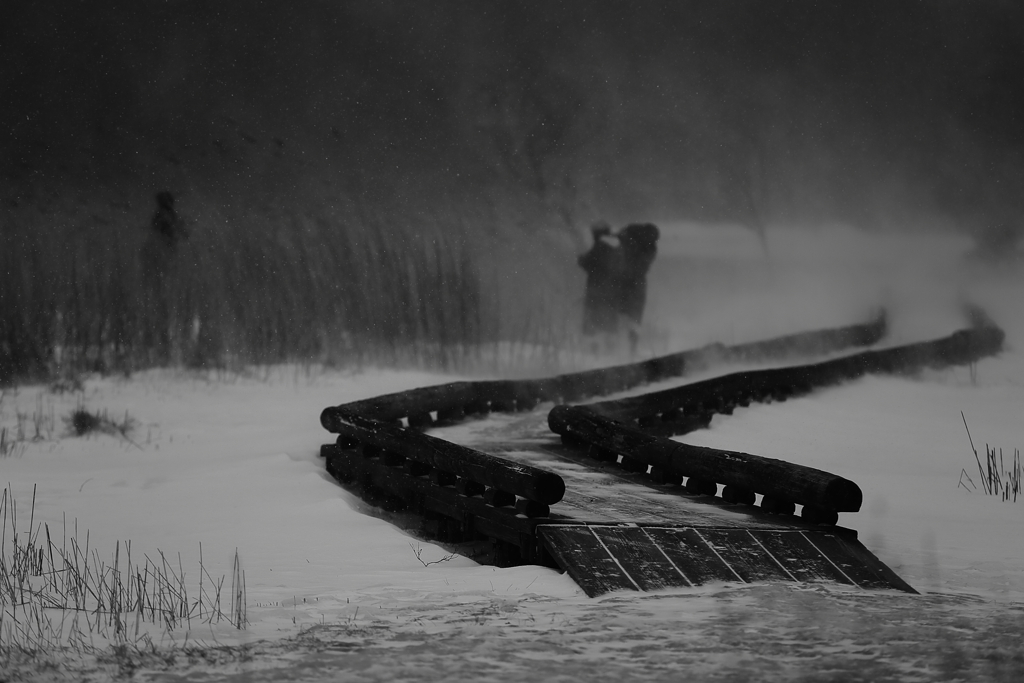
x=336 y=592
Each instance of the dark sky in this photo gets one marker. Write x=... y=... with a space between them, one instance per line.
x=867 y=111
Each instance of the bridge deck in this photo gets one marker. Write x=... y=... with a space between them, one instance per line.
x=621 y=520
x=617 y=531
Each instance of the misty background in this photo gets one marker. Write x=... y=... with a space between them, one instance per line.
x=340 y=164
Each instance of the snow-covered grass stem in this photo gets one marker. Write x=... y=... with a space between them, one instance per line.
x=64 y=598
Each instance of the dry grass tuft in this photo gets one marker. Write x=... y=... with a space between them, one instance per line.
x=996 y=479
x=61 y=599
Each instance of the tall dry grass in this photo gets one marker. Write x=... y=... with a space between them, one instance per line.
x=252 y=285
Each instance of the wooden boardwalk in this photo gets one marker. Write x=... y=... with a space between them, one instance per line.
x=615 y=530
x=601 y=491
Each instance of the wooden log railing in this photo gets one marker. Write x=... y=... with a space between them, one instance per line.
x=681 y=409
x=524 y=481
x=819 y=492
x=453 y=401
x=450 y=513
x=626 y=431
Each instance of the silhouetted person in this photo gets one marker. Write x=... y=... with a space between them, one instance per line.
x=601 y=299
x=165 y=220
x=639 y=245
x=160 y=263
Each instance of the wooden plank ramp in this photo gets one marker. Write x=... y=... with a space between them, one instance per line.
x=603 y=558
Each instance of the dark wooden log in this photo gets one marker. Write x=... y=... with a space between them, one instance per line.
x=525 y=404
x=477 y=407
x=503 y=405
x=468 y=487
x=454 y=399
x=451 y=415
x=347 y=442
x=393 y=459
x=498 y=393
x=442 y=478
x=445 y=529
x=336 y=466
x=571 y=442
x=413 y=401
x=529 y=393
x=531 y=508
x=417 y=469
x=522 y=480
x=813 y=515
x=432 y=523
x=420 y=420
x=808 y=343
x=795 y=483
x=601 y=454
x=665 y=478
x=506 y=554
x=738 y=496
x=391 y=503
x=455 y=531
x=499 y=498
x=701 y=487
x=647 y=421
x=720 y=394
x=777 y=506
x=632 y=465
x=385 y=485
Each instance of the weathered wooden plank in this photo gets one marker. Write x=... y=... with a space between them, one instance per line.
x=692 y=555
x=617 y=557
x=640 y=557
x=800 y=557
x=580 y=553
x=777 y=478
x=857 y=562
x=744 y=555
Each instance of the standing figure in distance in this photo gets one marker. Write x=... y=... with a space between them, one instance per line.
x=600 y=301
x=165 y=220
x=639 y=245
x=159 y=260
